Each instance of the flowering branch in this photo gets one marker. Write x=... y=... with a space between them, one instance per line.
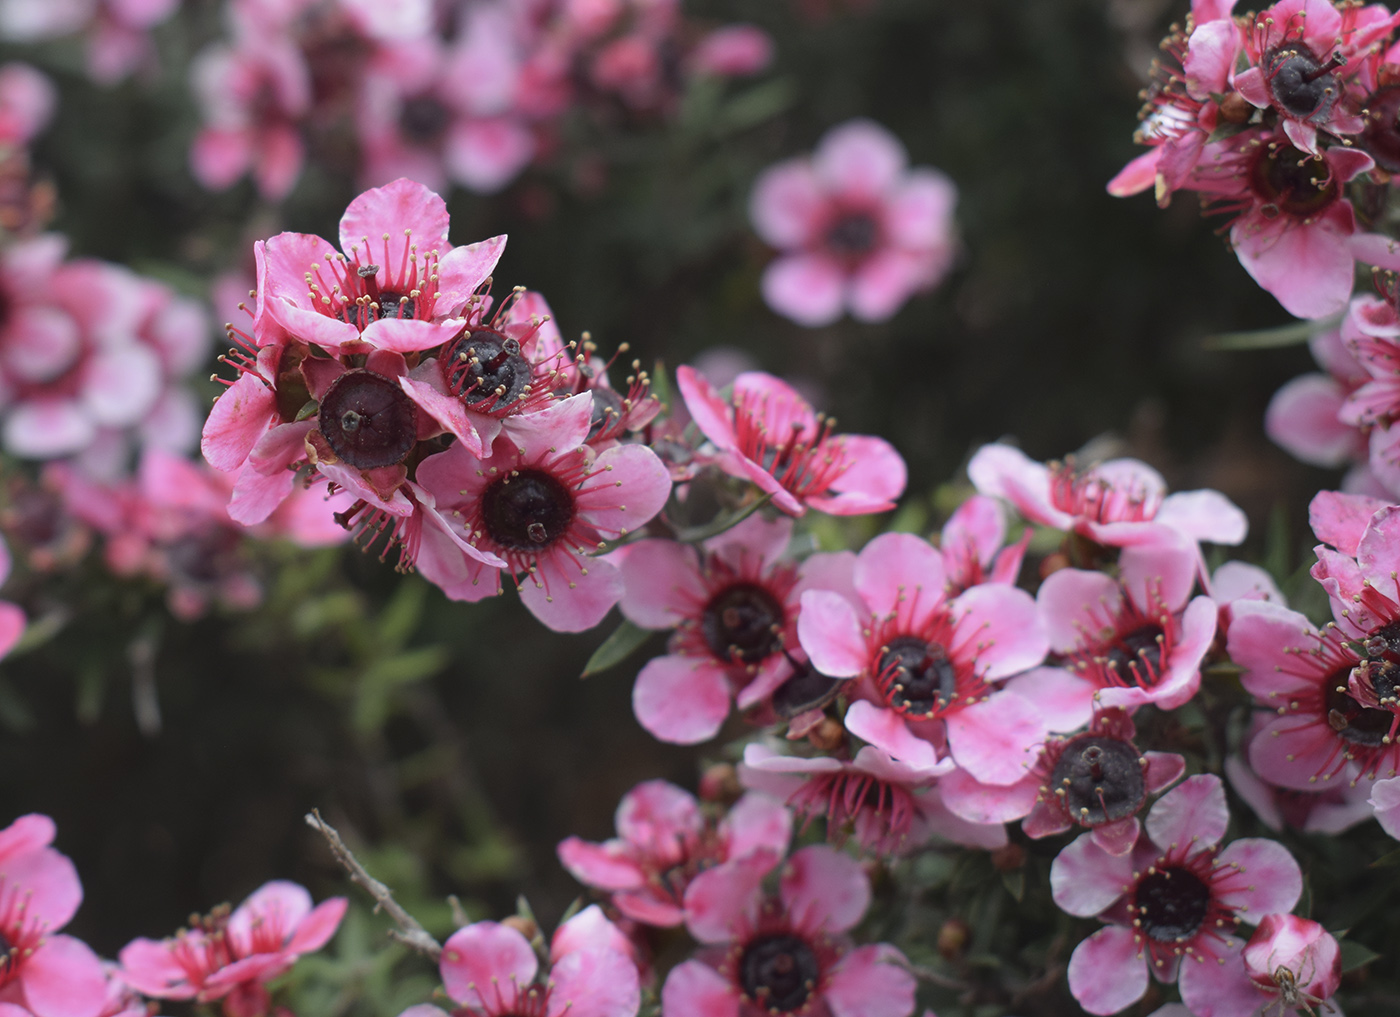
x=409 y=932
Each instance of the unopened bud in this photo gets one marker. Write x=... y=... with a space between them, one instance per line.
x=524 y=926
x=952 y=938
x=1235 y=108
x=720 y=783
x=828 y=735
x=1009 y=857
x=1052 y=563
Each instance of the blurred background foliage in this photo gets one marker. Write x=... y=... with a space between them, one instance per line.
x=455 y=745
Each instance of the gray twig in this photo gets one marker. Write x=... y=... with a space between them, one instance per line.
x=409 y=932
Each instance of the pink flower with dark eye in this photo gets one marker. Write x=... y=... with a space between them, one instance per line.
x=734 y=605
x=665 y=841
x=232 y=956
x=858 y=230
x=1123 y=642
x=1114 y=503
x=971 y=543
x=49 y=974
x=789 y=954
x=767 y=433
x=1098 y=780
x=890 y=807
x=924 y=662
x=543 y=502
x=1171 y=903
x=490 y=970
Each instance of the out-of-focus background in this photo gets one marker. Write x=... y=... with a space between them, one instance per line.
x=455 y=744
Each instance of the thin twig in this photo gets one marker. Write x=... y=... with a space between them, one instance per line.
x=409 y=932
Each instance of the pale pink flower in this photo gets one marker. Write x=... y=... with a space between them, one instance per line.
x=665 y=841
x=1115 y=503
x=232 y=956
x=925 y=662
x=542 y=501
x=118 y=31
x=1172 y=902
x=27 y=102
x=1371 y=332
x=788 y=953
x=734 y=606
x=768 y=434
x=858 y=230
x=45 y=972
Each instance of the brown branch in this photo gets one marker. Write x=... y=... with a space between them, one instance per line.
x=409 y=932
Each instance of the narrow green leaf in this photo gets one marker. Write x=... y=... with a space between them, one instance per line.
x=1269 y=338
x=1015 y=883
x=1354 y=955
x=624 y=641
x=1386 y=861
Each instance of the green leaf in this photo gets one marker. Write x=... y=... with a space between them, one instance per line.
x=1015 y=883
x=1354 y=955
x=623 y=642
x=1271 y=338
x=1386 y=861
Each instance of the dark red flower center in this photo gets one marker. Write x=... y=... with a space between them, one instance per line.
x=1292 y=182
x=743 y=622
x=1300 y=84
x=1360 y=725
x=1381 y=137
x=779 y=972
x=807 y=689
x=918 y=676
x=853 y=235
x=1171 y=904
x=607 y=411
x=527 y=510
x=1136 y=656
x=367 y=420
x=423 y=119
x=1099 y=779
x=486 y=365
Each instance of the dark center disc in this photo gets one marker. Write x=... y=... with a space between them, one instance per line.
x=1291 y=181
x=1360 y=725
x=1101 y=779
x=1171 y=904
x=367 y=420
x=1299 y=83
x=853 y=235
x=743 y=622
x=484 y=365
x=528 y=511
x=918 y=675
x=1138 y=652
x=779 y=972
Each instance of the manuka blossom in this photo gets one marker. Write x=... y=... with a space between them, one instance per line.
x=665 y=840
x=46 y=973
x=1115 y=503
x=889 y=807
x=766 y=433
x=971 y=543
x=1098 y=780
x=1290 y=966
x=1172 y=902
x=542 y=502
x=858 y=230
x=1124 y=642
x=734 y=606
x=1371 y=333
x=787 y=954
x=231 y=956
x=924 y=662
x=490 y=970
x=1304 y=417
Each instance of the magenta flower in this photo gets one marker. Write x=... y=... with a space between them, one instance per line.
x=232 y=956
x=734 y=606
x=858 y=230
x=49 y=974
x=789 y=954
x=1371 y=332
x=1292 y=961
x=770 y=435
x=490 y=970
x=924 y=661
x=542 y=502
x=665 y=841
x=1128 y=641
x=1171 y=903
x=890 y=807
x=1115 y=503
x=1098 y=780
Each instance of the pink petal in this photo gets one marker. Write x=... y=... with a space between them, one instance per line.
x=640 y=486
x=278 y=161
x=900 y=570
x=711 y=413
x=1163 y=770
x=279 y=904
x=26 y=834
x=1070 y=602
x=859 y=158
x=663 y=584
x=605 y=866
x=1064 y=700
x=1107 y=972
x=788 y=205
x=1341 y=519
x=449 y=412
x=317 y=928
x=1308 y=268
x=1204 y=515
x=1219 y=986
x=571 y=594
x=392 y=209
x=872 y=483
x=1136 y=177
x=1210 y=57
x=1238 y=580
x=1005 y=628
x=1378 y=553
x=1006 y=472
x=1260 y=638
x=219 y=156
x=1302 y=419
x=656 y=815
x=808 y=288
x=1086 y=880
x=480 y=955
x=978 y=524
x=887 y=730
x=1162 y=571
x=680 y=699
x=830 y=632
x=485 y=155
x=921 y=212
x=463 y=269
x=870 y=982
x=882 y=284
x=757 y=823
x=988 y=803
x=1292 y=754
x=151 y=968
x=824 y=890
x=48 y=428
x=594 y=983
x=693 y=989
x=1274 y=880
x=994 y=740
x=721 y=900
x=1385 y=799
x=1257 y=795
x=1118 y=838
x=408 y=336
x=48 y=882
x=12 y=623
x=64 y=978
x=1192 y=812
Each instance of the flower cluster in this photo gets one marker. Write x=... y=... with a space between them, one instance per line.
x=437 y=92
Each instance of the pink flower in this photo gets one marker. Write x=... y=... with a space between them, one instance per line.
x=1098 y=780
x=232 y=956
x=1128 y=641
x=1371 y=332
x=1235 y=581
x=788 y=954
x=1333 y=808
x=49 y=974
x=118 y=30
x=490 y=970
x=664 y=842
x=734 y=606
x=924 y=661
x=542 y=502
x=732 y=51
x=27 y=101
x=971 y=543
x=891 y=807
x=1171 y=903
x=1305 y=416
x=1115 y=503
x=770 y=435
x=858 y=230
x=1293 y=961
